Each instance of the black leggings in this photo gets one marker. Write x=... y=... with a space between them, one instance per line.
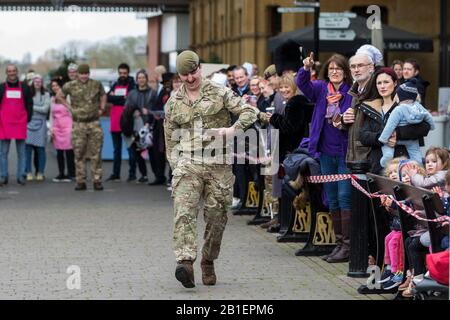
x=416 y=253
x=70 y=160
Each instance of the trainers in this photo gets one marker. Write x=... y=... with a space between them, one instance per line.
x=67 y=179
x=98 y=186
x=3 y=182
x=208 y=273
x=30 y=177
x=237 y=206
x=131 y=179
x=398 y=277
x=81 y=187
x=408 y=293
x=394 y=281
x=40 y=177
x=184 y=273
x=143 y=180
x=59 y=178
x=405 y=284
x=113 y=178
x=386 y=276
x=390 y=284
x=21 y=181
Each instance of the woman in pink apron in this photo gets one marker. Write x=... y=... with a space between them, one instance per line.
x=14 y=102
x=61 y=133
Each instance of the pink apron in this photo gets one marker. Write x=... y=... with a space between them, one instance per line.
x=13 y=115
x=116 y=111
x=62 y=127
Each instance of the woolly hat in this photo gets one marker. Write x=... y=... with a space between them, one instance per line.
x=407 y=91
x=401 y=164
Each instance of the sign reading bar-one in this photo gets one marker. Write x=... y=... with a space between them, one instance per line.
x=295 y=10
x=337 y=35
x=334 y=23
x=338 y=15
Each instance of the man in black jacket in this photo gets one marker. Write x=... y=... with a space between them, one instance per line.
x=117 y=97
x=16 y=110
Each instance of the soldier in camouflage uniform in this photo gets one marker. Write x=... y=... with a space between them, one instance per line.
x=86 y=96
x=198 y=105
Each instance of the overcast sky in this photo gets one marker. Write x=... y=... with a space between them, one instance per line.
x=36 y=32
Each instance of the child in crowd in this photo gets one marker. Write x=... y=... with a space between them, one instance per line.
x=409 y=111
x=393 y=243
x=415 y=246
x=135 y=128
x=445 y=198
x=436 y=165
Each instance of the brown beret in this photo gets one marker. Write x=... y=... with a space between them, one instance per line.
x=83 y=68
x=187 y=62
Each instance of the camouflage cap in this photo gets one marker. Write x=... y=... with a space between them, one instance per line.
x=83 y=68
x=270 y=71
x=187 y=62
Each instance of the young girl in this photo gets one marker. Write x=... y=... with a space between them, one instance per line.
x=393 y=243
x=436 y=165
x=415 y=250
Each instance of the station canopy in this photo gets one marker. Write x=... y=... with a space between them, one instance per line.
x=96 y=6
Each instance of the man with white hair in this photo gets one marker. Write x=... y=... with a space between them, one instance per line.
x=362 y=67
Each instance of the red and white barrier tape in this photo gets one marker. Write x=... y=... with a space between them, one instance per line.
x=444 y=220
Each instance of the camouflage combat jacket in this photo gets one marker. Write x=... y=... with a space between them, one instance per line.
x=84 y=99
x=210 y=111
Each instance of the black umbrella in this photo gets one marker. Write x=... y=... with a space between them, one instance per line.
x=394 y=39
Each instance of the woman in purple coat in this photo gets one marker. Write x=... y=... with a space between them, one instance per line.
x=328 y=141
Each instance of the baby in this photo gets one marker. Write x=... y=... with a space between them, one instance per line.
x=408 y=111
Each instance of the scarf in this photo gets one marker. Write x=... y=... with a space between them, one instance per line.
x=333 y=98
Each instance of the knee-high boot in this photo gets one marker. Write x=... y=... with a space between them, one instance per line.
x=344 y=253
x=336 y=217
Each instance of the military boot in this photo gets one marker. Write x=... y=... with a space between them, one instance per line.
x=98 y=186
x=80 y=187
x=185 y=273
x=208 y=274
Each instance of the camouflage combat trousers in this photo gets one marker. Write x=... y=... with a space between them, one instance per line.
x=87 y=140
x=192 y=183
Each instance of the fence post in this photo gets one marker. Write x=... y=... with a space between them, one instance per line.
x=359 y=224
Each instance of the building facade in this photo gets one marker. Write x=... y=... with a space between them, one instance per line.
x=236 y=31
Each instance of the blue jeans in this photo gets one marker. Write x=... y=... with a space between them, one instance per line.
x=117 y=145
x=41 y=158
x=412 y=146
x=4 y=151
x=339 y=194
